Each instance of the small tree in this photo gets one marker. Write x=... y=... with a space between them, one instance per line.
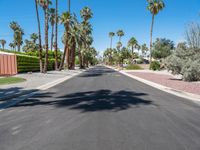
x=162 y=48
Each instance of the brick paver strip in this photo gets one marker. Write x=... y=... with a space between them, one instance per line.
x=170 y=81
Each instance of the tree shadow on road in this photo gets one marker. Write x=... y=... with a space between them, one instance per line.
x=101 y=100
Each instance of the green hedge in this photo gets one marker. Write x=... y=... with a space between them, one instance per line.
x=31 y=64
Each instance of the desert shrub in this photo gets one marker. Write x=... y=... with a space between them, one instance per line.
x=133 y=67
x=155 y=65
x=191 y=71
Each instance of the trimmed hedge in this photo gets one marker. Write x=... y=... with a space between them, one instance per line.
x=31 y=64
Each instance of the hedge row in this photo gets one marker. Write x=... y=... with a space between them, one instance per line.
x=31 y=64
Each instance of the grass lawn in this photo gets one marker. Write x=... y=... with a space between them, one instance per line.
x=11 y=80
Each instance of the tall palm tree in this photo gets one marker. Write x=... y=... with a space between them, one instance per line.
x=86 y=15
x=65 y=20
x=45 y=5
x=39 y=36
x=52 y=22
x=111 y=35
x=3 y=42
x=133 y=44
x=56 y=37
x=18 y=34
x=154 y=6
x=120 y=33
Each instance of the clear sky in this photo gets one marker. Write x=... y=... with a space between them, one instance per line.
x=109 y=15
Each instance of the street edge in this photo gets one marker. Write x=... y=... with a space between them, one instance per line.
x=24 y=95
x=193 y=97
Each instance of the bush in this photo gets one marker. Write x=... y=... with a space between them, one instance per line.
x=31 y=64
x=191 y=71
x=155 y=65
x=133 y=67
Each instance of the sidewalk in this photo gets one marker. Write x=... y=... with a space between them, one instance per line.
x=165 y=81
x=35 y=82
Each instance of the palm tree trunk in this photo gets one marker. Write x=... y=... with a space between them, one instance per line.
x=73 y=54
x=56 y=38
x=151 y=37
x=18 y=48
x=80 y=61
x=111 y=43
x=40 y=39
x=52 y=37
x=46 y=40
x=66 y=51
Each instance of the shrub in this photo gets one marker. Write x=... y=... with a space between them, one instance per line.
x=31 y=64
x=155 y=65
x=133 y=67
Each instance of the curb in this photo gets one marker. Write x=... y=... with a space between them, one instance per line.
x=193 y=97
x=17 y=98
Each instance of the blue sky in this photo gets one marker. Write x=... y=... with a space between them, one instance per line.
x=109 y=15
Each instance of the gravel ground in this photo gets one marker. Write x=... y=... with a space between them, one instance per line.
x=169 y=81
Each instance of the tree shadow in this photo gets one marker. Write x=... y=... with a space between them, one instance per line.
x=99 y=71
x=101 y=100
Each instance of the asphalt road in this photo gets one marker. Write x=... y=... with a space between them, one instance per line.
x=101 y=110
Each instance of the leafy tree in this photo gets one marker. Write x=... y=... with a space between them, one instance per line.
x=154 y=6
x=185 y=60
x=162 y=48
x=3 y=42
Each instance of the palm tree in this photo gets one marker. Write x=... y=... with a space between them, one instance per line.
x=111 y=35
x=45 y=5
x=34 y=37
x=120 y=33
x=133 y=44
x=12 y=46
x=65 y=20
x=18 y=39
x=154 y=6
x=56 y=37
x=39 y=37
x=144 y=49
x=52 y=21
x=18 y=34
x=3 y=42
x=86 y=15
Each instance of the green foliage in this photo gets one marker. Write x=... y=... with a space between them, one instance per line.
x=11 y=80
x=155 y=65
x=162 y=48
x=133 y=67
x=31 y=64
x=185 y=62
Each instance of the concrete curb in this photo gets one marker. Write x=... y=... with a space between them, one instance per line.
x=195 y=98
x=17 y=98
